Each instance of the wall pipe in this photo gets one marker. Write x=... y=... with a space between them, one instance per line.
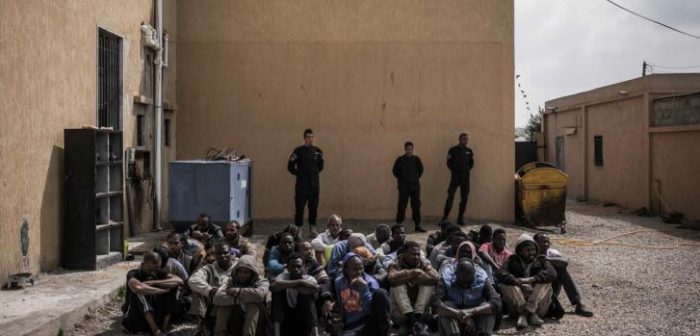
x=158 y=104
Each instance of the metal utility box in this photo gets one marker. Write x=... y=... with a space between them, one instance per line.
x=220 y=189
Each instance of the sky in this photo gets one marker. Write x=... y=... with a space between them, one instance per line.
x=563 y=47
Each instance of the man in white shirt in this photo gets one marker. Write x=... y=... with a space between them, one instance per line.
x=327 y=238
x=564 y=279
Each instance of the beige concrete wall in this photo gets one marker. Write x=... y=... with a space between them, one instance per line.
x=557 y=123
x=366 y=76
x=48 y=79
x=676 y=164
x=622 y=178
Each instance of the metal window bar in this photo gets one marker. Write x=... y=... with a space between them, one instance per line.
x=109 y=77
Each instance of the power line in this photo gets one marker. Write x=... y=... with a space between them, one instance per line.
x=675 y=67
x=654 y=21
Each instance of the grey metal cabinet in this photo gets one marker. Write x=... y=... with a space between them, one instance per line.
x=221 y=189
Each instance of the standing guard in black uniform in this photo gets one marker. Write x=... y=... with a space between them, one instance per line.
x=460 y=160
x=408 y=169
x=305 y=163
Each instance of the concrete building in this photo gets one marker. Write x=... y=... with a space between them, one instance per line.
x=49 y=82
x=628 y=142
x=366 y=75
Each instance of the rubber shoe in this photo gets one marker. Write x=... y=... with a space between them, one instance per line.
x=420 y=329
x=535 y=320
x=419 y=229
x=522 y=322
x=582 y=310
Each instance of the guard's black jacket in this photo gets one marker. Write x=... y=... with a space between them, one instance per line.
x=460 y=160
x=306 y=162
x=408 y=170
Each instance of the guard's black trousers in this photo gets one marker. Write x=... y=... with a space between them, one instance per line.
x=463 y=185
x=302 y=197
x=404 y=196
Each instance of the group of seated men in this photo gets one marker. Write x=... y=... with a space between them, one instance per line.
x=343 y=283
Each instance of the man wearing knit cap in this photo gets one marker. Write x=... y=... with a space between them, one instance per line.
x=526 y=280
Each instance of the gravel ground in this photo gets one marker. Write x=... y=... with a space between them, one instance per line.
x=640 y=276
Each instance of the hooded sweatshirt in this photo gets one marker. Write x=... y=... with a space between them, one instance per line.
x=254 y=291
x=516 y=267
x=355 y=305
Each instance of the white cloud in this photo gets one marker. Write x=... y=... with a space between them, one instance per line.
x=567 y=46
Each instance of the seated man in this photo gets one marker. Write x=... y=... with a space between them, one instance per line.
x=328 y=238
x=189 y=257
x=372 y=266
x=274 y=240
x=209 y=254
x=277 y=261
x=239 y=245
x=364 y=306
x=240 y=303
x=448 y=250
x=171 y=265
x=564 y=279
x=465 y=301
x=495 y=253
x=334 y=265
x=398 y=238
x=207 y=280
x=294 y=296
x=380 y=236
x=412 y=282
x=150 y=297
x=203 y=229
x=526 y=283
x=484 y=235
x=437 y=237
x=313 y=269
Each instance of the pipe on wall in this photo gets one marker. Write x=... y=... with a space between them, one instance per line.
x=158 y=104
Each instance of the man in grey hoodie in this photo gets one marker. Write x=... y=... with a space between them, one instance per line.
x=526 y=283
x=240 y=302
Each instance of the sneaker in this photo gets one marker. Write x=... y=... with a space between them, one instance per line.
x=420 y=329
x=535 y=320
x=522 y=322
x=582 y=310
x=419 y=229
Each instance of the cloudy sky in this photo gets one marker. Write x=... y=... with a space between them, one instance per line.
x=567 y=46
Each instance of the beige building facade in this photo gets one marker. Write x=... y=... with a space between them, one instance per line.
x=616 y=147
x=48 y=80
x=366 y=76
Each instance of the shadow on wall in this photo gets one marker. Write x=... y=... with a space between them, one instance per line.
x=51 y=217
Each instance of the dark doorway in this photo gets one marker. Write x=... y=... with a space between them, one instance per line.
x=525 y=152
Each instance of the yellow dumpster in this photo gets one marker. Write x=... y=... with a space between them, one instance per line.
x=541 y=195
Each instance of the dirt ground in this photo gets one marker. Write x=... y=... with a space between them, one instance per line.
x=639 y=275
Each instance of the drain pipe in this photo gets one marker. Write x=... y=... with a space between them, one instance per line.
x=158 y=104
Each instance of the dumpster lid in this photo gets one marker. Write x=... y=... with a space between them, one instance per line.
x=533 y=165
